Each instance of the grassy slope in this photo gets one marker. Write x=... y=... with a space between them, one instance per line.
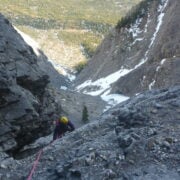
x=61 y=26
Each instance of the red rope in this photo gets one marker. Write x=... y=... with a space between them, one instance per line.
x=36 y=162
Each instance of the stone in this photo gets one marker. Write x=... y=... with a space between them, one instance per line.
x=90 y=159
x=109 y=174
x=75 y=173
x=3 y=166
x=154 y=111
x=124 y=141
x=166 y=144
x=60 y=172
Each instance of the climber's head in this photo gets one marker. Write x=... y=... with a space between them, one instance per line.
x=63 y=120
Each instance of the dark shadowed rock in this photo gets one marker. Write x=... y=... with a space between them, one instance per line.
x=27 y=104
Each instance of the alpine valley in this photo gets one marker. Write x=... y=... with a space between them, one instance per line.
x=130 y=88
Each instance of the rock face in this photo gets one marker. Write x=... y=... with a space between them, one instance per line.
x=27 y=103
x=138 y=139
x=146 y=50
x=56 y=80
x=30 y=94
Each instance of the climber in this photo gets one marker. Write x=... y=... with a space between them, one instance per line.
x=63 y=124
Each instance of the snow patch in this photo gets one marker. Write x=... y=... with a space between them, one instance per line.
x=160 y=21
x=143 y=81
x=63 y=87
x=135 y=30
x=151 y=84
x=102 y=87
x=137 y=40
x=103 y=84
x=31 y=42
x=157 y=69
x=114 y=99
x=161 y=63
x=148 y=21
x=71 y=77
x=62 y=70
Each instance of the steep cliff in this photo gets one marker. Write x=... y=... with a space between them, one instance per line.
x=143 y=50
x=27 y=102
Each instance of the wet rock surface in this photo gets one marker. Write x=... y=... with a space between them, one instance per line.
x=138 y=139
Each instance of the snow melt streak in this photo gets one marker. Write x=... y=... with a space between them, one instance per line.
x=103 y=84
x=160 y=20
x=159 y=23
x=29 y=41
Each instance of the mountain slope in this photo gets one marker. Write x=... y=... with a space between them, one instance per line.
x=144 y=53
x=136 y=140
x=68 y=31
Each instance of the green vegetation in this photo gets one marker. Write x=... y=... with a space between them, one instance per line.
x=78 y=37
x=69 y=12
x=138 y=11
x=88 y=49
x=88 y=41
x=81 y=23
x=38 y=23
x=80 y=66
x=85 y=118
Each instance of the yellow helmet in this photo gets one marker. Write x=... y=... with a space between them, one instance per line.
x=63 y=120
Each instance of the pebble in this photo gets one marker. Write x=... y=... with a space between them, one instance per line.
x=110 y=173
x=159 y=106
x=154 y=111
x=3 y=166
x=50 y=158
x=166 y=144
x=169 y=140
